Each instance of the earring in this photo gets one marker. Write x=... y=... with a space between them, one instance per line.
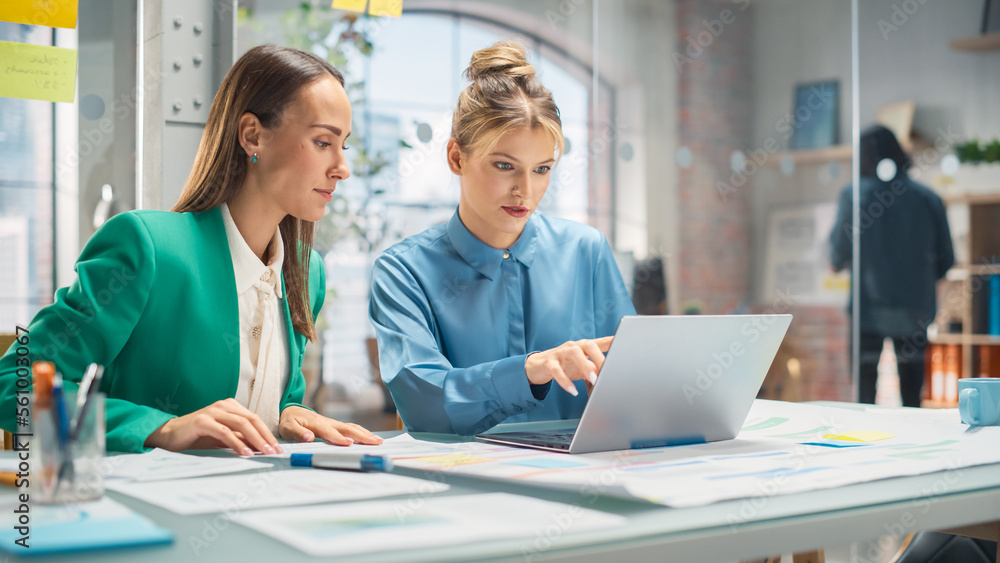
x=515 y=189
x=253 y=159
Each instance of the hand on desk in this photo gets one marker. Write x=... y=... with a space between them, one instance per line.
x=298 y=424
x=581 y=359
x=223 y=424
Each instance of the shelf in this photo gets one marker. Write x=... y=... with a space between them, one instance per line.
x=973 y=199
x=987 y=42
x=983 y=269
x=960 y=272
x=837 y=153
x=971 y=339
x=812 y=156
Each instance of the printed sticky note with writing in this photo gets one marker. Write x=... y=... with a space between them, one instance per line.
x=51 y=13
x=37 y=72
x=350 y=5
x=392 y=8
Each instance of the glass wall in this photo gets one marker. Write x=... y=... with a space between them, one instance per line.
x=26 y=196
x=930 y=72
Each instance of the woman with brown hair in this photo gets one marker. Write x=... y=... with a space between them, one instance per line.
x=478 y=317
x=201 y=315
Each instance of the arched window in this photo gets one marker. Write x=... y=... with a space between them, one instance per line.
x=407 y=87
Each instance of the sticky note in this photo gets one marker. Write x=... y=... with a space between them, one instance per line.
x=452 y=459
x=37 y=72
x=50 y=13
x=392 y=8
x=860 y=436
x=351 y=5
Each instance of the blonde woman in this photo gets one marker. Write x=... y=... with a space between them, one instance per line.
x=201 y=315
x=478 y=317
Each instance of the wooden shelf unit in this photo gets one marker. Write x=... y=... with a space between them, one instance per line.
x=986 y=42
x=972 y=281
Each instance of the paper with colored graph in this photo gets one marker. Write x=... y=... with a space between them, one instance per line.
x=291 y=487
x=783 y=448
x=37 y=72
x=342 y=530
x=50 y=13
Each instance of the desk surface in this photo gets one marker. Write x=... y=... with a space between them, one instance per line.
x=724 y=531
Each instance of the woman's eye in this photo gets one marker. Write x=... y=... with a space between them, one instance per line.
x=346 y=148
x=321 y=144
x=504 y=165
x=543 y=169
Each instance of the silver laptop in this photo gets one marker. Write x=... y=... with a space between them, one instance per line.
x=666 y=380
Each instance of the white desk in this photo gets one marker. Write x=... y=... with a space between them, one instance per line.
x=765 y=525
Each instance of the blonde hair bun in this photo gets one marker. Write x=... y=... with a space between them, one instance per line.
x=506 y=59
x=505 y=95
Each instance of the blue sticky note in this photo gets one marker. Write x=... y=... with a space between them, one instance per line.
x=547 y=463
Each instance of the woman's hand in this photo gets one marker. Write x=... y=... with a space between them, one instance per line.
x=223 y=424
x=581 y=359
x=299 y=424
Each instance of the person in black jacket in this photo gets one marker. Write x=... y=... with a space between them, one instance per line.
x=905 y=248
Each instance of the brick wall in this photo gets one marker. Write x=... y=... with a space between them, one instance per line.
x=715 y=231
x=713 y=121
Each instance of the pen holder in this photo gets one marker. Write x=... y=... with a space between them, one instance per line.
x=70 y=459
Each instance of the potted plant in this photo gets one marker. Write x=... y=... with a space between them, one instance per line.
x=979 y=171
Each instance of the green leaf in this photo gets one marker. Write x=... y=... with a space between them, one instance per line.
x=404 y=144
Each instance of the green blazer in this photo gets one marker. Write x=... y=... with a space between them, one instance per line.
x=155 y=302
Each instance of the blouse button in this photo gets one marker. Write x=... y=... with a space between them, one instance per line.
x=506 y=255
x=265 y=276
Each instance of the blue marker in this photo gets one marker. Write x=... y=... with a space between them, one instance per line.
x=343 y=460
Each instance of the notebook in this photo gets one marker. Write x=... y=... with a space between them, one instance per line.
x=76 y=527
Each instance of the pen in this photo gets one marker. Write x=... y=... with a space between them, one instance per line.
x=349 y=461
x=61 y=416
x=89 y=385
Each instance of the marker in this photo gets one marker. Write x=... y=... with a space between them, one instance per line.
x=349 y=461
x=43 y=374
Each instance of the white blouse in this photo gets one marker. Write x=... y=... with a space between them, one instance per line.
x=264 y=352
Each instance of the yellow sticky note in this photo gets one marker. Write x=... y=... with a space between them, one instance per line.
x=392 y=8
x=452 y=459
x=352 y=5
x=51 y=13
x=37 y=72
x=860 y=436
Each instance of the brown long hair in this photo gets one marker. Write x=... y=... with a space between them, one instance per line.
x=504 y=96
x=264 y=81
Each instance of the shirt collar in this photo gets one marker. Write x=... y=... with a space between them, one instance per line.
x=247 y=267
x=483 y=257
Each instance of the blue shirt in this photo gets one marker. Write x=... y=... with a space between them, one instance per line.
x=456 y=319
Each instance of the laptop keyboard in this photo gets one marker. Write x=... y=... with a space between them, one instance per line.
x=554 y=439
